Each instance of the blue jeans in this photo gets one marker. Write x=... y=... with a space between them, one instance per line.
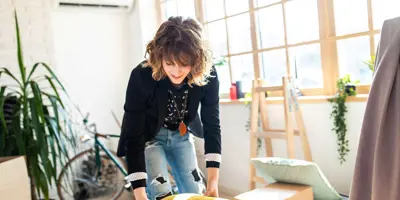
x=168 y=147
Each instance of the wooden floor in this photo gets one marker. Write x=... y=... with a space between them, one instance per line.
x=128 y=196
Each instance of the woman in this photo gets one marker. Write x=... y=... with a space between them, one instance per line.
x=162 y=100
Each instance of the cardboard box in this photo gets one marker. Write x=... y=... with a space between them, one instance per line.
x=279 y=191
x=14 y=179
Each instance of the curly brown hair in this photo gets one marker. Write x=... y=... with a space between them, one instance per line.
x=179 y=40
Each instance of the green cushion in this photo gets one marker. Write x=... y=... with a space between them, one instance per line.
x=274 y=169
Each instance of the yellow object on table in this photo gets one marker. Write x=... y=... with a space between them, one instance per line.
x=191 y=197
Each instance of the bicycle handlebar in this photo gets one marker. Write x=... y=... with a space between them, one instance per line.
x=92 y=128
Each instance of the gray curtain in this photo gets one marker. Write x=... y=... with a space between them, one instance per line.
x=377 y=168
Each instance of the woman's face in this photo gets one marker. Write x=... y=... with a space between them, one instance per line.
x=175 y=72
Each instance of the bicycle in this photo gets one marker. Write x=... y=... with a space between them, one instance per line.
x=97 y=172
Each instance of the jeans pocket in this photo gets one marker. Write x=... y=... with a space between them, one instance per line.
x=149 y=143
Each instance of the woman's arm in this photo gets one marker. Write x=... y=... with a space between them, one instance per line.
x=211 y=125
x=212 y=133
x=134 y=107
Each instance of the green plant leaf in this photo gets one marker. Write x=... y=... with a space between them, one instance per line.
x=42 y=151
x=71 y=137
x=19 y=134
x=4 y=129
x=38 y=119
x=7 y=72
x=53 y=76
x=55 y=90
x=13 y=92
x=54 y=131
x=43 y=184
x=32 y=71
x=54 y=158
x=19 y=50
x=2 y=118
x=51 y=140
x=33 y=165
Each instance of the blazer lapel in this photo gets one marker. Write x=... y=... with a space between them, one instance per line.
x=162 y=92
x=193 y=102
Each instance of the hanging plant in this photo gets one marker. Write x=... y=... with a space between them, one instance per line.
x=247 y=102
x=345 y=88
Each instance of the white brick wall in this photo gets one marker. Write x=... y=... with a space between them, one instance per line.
x=34 y=23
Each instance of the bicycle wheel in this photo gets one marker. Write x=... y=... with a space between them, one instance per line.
x=80 y=179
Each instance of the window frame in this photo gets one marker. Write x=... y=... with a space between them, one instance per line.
x=327 y=40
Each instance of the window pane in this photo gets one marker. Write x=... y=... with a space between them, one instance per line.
x=214 y=9
x=302 y=21
x=273 y=66
x=169 y=9
x=384 y=9
x=377 y=38
x=224 y=78
x=239 y=33
x=243 y=70
x=236 y=6
x=186 y=8
x=259 y=3
x=305 y=63
x=269 y=23
x=217 y=38
x=350 y=16
x=351 y=56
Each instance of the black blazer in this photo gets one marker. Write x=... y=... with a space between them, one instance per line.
x=145 y=111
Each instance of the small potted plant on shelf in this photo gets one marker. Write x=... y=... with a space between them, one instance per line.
x=345 y=87
x=371 y=63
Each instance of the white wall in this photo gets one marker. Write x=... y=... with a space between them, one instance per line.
x=92 y=55
x=142 y=27
x=236 y=147
x=35 y=32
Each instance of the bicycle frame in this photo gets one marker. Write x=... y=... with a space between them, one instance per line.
x=99 y=145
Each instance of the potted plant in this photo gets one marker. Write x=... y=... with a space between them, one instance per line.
x=371 y=63
x=34 y=121
x=345 y=87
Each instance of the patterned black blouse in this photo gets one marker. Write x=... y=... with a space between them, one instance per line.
x=178 y=95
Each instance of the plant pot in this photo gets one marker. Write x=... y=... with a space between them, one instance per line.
x=350 y=88
x=239 y=90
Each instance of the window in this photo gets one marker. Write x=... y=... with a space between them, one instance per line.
x=177 y=7
x=315 y=41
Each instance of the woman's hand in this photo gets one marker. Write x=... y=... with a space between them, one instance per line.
x=212 y=185
x=212 y=189
x=140 y=193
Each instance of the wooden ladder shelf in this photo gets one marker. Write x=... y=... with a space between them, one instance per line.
x=259 y=112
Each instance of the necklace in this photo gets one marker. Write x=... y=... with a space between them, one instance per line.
x=182 y=125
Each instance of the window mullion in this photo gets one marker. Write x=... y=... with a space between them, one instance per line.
x=256 y=63
x=286 y=36
x=199 y=9
x=159 y=11
x=329 y=58
x=371 y=28
x=227 y=43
